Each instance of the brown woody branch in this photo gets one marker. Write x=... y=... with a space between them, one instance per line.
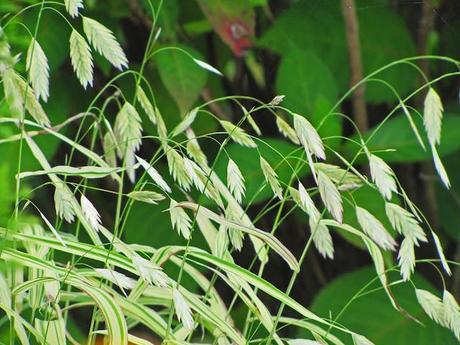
x=356 y=67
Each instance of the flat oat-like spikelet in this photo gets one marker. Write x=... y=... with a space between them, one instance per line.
x=90 y=212
x=73 y=7
x=235 y=181
x=81 y=59
x=104 y=42
x=432 y=116
x=37 y=66
x=237 y=134
x=330 y=196
x=271 y=177
x=128 y=128
x=374 y=229
x=383 y=176
x=154 y=174
x=180 y=219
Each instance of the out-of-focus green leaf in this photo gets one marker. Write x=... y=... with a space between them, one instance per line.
x=258 y=2
x=282 y=156
x=320 y=27
x=449 y=199
x=310 y=89
x=167 y=19
x=53 y=41
x=183 y=78
x=373 y=316
x=397 y=134
x=156 y=232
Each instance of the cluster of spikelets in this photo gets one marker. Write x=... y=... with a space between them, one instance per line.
x=115 y=292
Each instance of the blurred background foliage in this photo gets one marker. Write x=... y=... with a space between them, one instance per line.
x=267 y=48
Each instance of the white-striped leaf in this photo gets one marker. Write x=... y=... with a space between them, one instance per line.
x=269 y=239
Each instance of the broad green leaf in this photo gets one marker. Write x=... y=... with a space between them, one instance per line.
x=372 y=316
x=397 y=134
x=258 y=2
x=320 y=28
x=310 y=89
x=183 y=78
x=167 y=19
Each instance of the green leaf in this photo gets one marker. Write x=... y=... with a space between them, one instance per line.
x=182 y=77
x=159 y=235
x=448 y=199
x=372 y=316
x=397 y=134
x=51 y=39
x=167 y=18
x=282 y=156
x=323 y=33
x=310 y=88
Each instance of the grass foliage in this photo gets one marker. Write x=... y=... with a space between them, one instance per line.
x=50 y=274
